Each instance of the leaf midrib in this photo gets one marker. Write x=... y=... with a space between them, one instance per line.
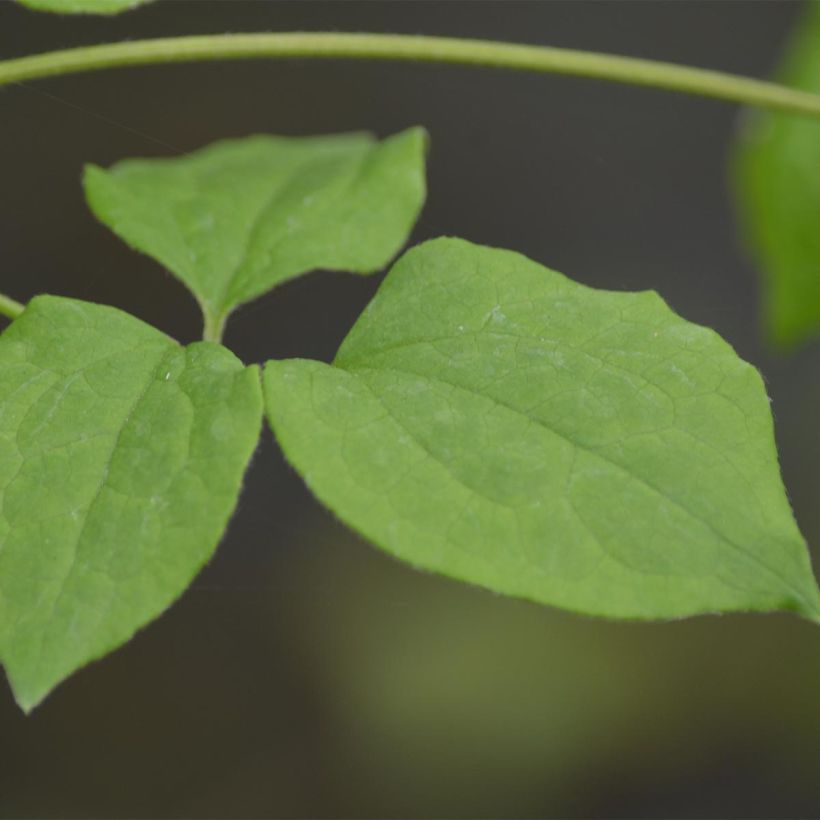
x=227 y=300
x=149 y=382
x=800 y=595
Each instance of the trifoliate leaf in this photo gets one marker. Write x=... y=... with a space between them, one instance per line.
x=778 y=175
x=83 y=6
x=239 y=217
x=121 y=458
x=489 y=419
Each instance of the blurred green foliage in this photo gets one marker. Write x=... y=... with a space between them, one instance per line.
x=83 y=6
x=778 y=180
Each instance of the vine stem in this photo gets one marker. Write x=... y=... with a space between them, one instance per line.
x=398 y=47
x=10 y=308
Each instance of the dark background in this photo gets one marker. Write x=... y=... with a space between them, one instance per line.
x=306 y=674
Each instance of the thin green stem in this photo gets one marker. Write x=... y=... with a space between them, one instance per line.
x=321 y=45
x=10 y=308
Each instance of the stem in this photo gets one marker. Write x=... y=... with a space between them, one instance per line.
x=10 y=308
x=321 y=45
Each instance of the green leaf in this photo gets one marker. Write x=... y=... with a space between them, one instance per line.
x=83 y=6
x=239 y=217
x=777 y=170
x=121 y=458
x=489 y=419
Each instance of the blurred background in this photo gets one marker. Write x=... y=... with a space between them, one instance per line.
x=306 y=674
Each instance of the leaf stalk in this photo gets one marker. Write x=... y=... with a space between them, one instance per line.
x=9 y=307
x=213 y=327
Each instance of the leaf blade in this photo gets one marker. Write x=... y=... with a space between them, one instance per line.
x=489 y=419
x=242 y=216
x=123 y=455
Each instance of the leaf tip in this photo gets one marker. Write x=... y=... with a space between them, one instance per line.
x=420 y=133
x=26 y=696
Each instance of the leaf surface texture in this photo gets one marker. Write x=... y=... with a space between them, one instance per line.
x=489 y=419
x=241 y=216
x=121 y=459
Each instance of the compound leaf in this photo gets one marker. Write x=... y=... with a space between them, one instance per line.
x=121 y=458
x=489 y=419
x=83 y=6
x=778 y=176
x=241 y=216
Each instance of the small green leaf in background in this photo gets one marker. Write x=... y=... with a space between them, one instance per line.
x=83 y=6
x=489 y=419
x=778 y=181
x=121 y=459
x=239 y=217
